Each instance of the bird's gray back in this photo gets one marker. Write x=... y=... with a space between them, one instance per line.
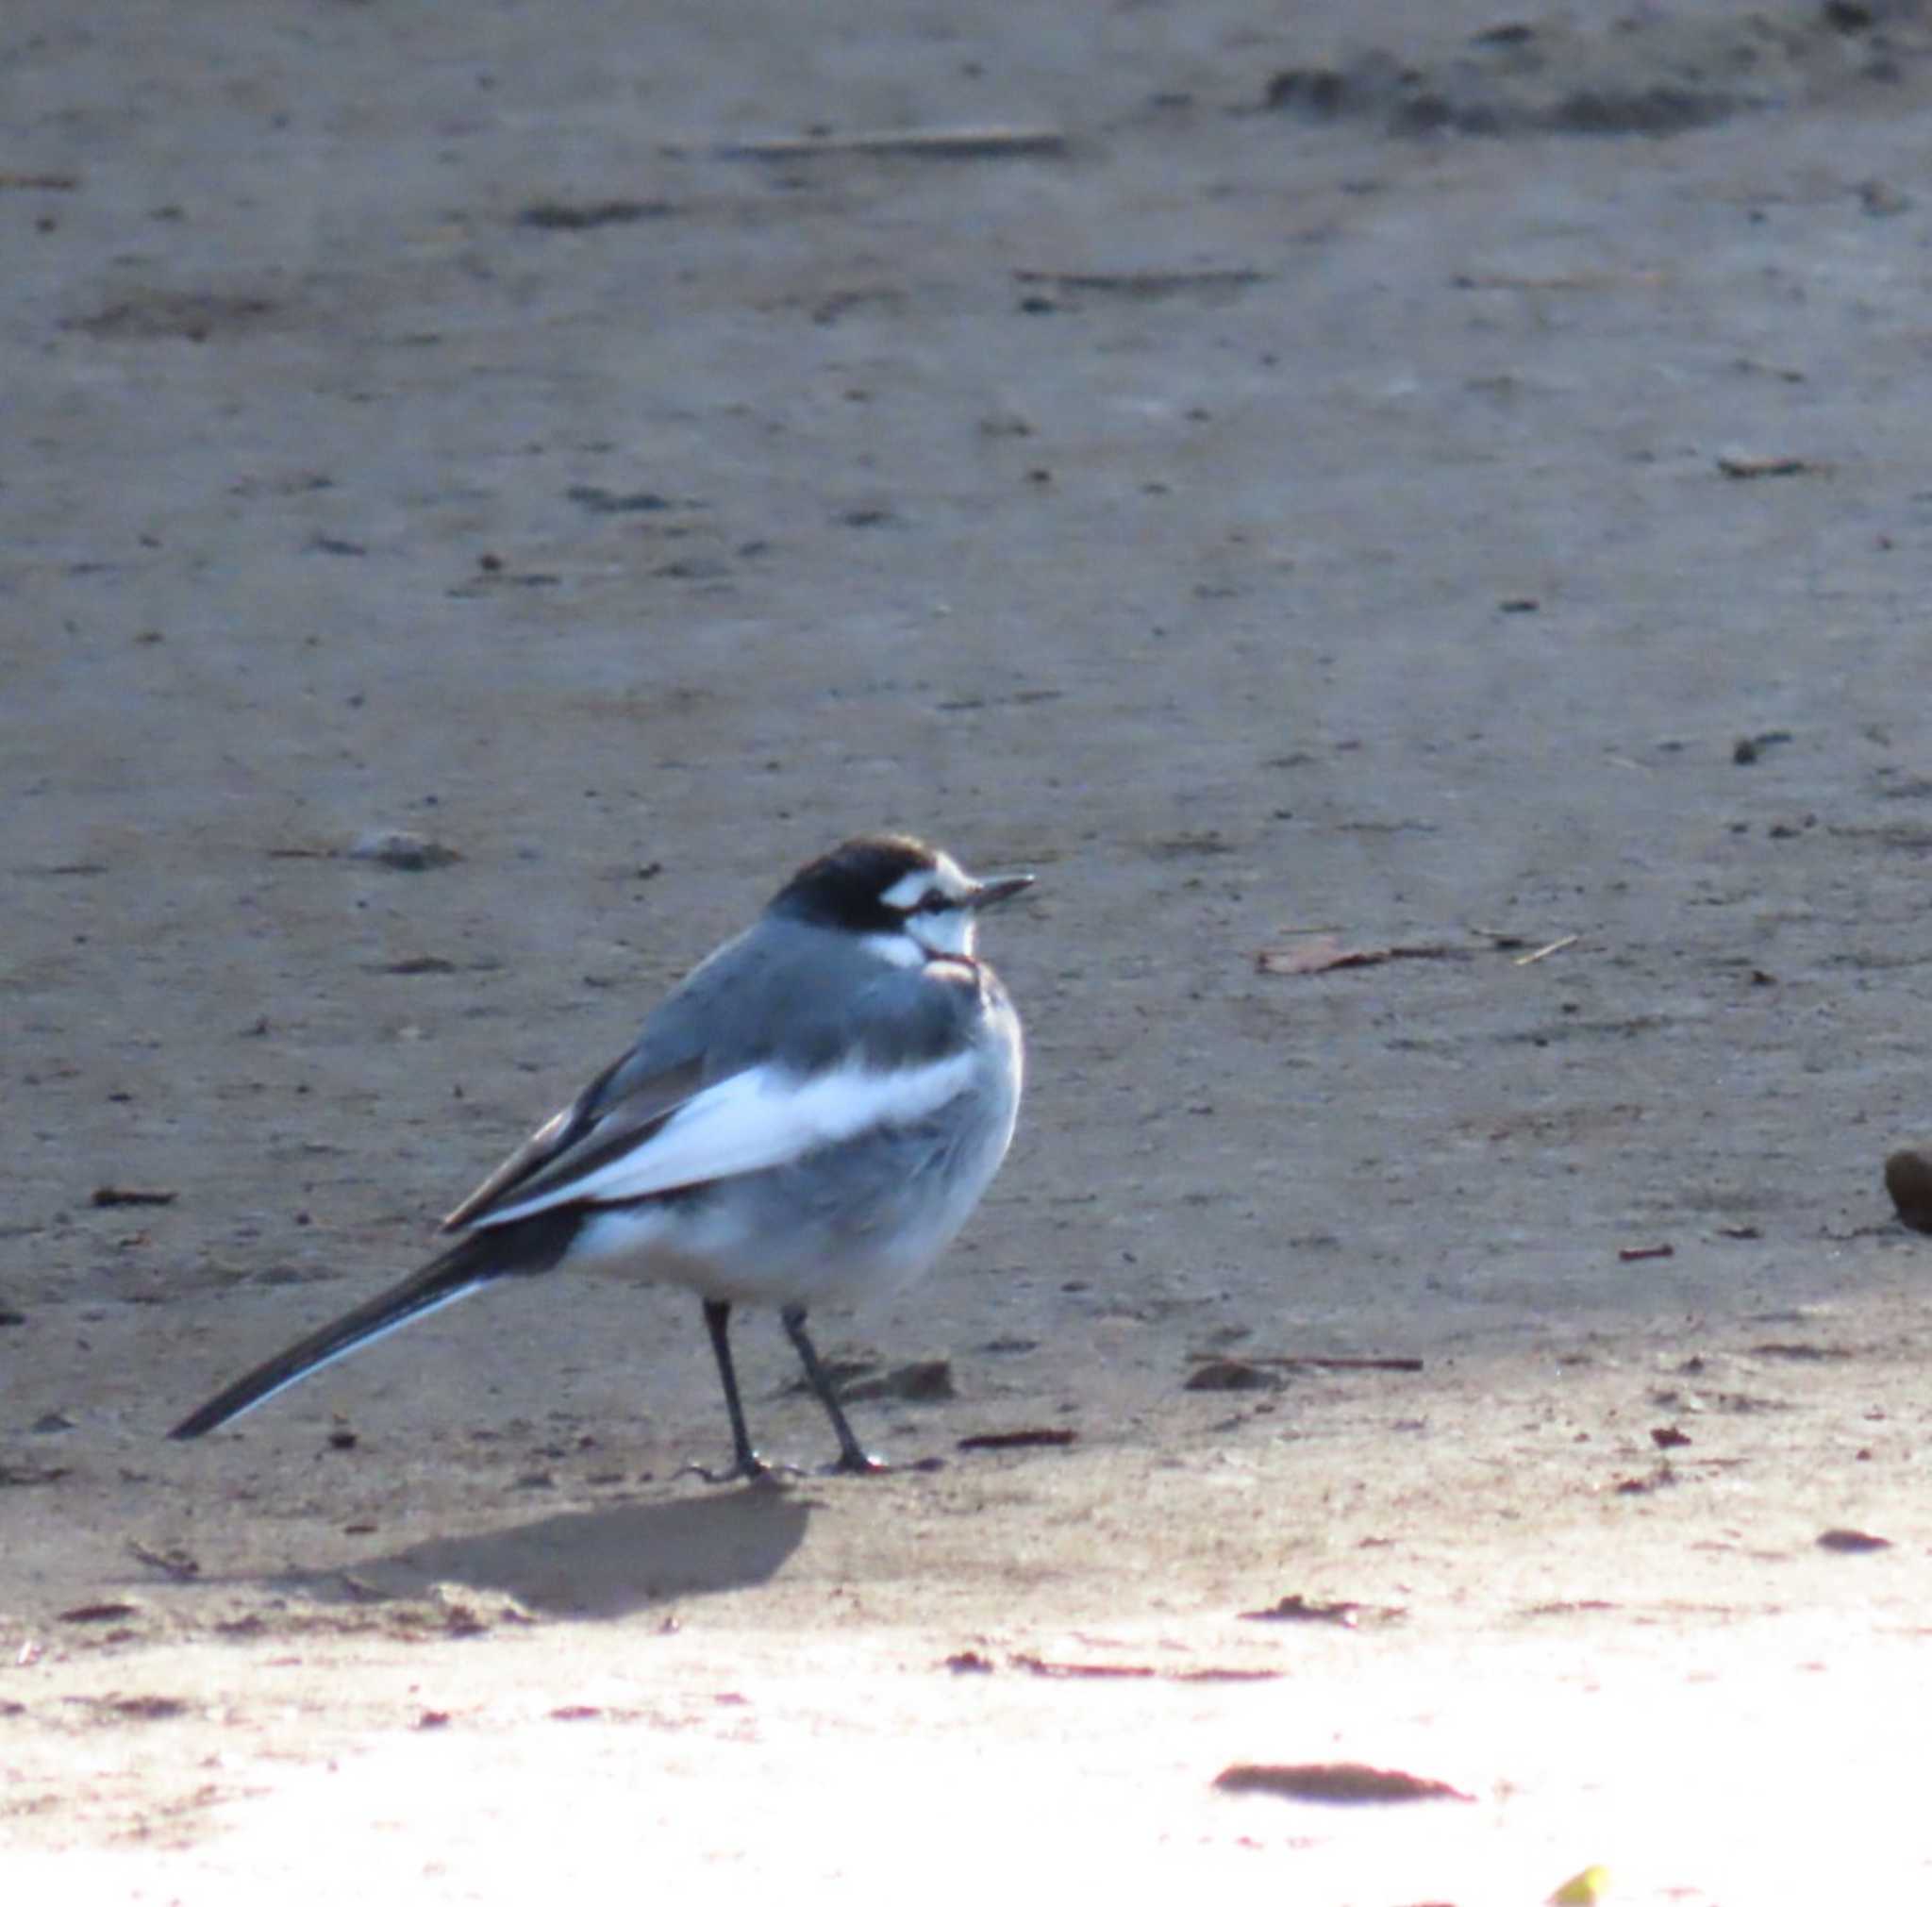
x=800 y=996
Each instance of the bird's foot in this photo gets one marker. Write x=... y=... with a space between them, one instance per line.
x=747 y=1468
x=857 y=1462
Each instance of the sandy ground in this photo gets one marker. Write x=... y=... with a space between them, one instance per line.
x=1356 y=479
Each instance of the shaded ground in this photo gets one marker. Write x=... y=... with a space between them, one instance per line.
x=1266 y=522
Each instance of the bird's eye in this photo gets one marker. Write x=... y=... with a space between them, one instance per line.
x=936 y=902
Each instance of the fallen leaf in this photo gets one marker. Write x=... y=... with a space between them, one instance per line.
x=1662 y=1478
x=947 y=143
x=147 y=1708
x=1221 y=1674
x=1320 y=955
x=1340 y=1364
x=1853 y=1542
x=1298 y=1608
x=1146 y=284
x=1324 y=953
x=1743 y=467
x=1347 y=1782
x=1054 y=1439
x=548 y=215
x=1080 y=1671
x=1583 y=1890
x=98 y=1612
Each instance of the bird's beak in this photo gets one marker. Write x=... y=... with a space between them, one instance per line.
x=1001 y=887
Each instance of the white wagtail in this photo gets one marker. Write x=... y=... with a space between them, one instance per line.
x=812 y=1114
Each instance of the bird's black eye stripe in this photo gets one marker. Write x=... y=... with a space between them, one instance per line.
x=936 y=900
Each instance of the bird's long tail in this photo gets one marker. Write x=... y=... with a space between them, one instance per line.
x=482 y=1258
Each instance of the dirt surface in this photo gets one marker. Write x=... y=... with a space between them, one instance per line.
x=1322 y=492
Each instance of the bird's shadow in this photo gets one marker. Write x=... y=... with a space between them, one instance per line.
x=594 y=1564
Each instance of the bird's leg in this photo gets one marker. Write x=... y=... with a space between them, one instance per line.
x=746 y=1464
x=851 y=1455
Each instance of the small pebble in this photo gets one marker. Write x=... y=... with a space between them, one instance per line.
x=403 y=848
x=1233 y=1373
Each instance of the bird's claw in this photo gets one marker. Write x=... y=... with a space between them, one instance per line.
x=857 y=1462
x=756 y=1471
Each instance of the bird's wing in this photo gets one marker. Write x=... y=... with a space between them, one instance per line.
x=609 y=1117
x=635 y=1093
x=744 y=1066
x=759 y=1117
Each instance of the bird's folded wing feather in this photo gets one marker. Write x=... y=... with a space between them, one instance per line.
x=610 y=1114
x=764 y=1116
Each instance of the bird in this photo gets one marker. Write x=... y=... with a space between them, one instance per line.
x=812 y=1114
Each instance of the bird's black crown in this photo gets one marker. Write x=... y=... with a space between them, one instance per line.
x=843 y=889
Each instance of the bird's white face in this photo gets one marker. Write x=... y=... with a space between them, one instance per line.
x=936 y=906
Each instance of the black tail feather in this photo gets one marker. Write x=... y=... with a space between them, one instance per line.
x=483 y=1257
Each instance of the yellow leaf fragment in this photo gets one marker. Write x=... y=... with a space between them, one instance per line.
x=1583 y=1890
